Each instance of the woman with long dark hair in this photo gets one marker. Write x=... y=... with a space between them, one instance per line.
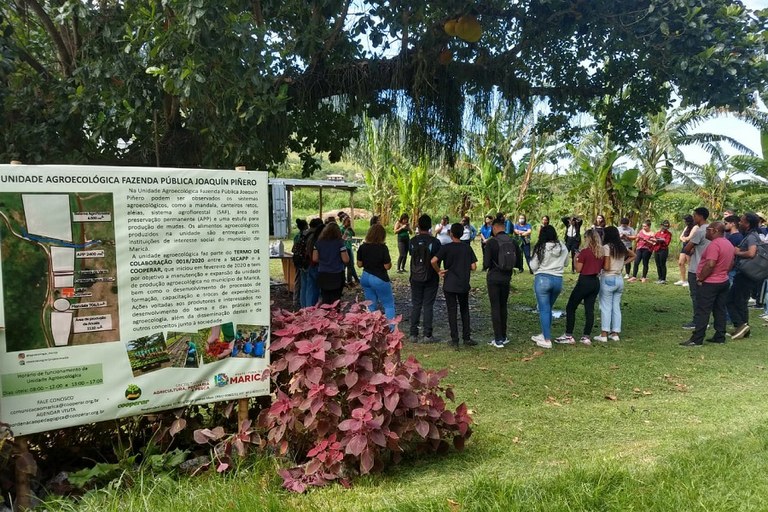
x=738 y=296
x=615 y=256
x=348 y=234
x=588 y=263
x=331 y=257
x=403 y=231
x=684 y=258
x=599 y=225
x=547 y=262
x=644 y=248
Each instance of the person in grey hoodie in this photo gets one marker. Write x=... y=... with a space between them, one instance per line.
x=547 y=262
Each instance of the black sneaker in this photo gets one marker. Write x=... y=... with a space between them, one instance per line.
x=713 y=340
x=470 y=343
x=430 y=339
x=690 y=343
x=454 y=345
x=689 y=326
x=413 y=338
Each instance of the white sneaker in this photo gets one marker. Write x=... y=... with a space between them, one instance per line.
x=585 y=340
x=565 y=339
x=679 y=283
x=601 y=338
x=614 y=337
x=684 y=285
x=541 y=342
x=626 y=276
x=751 y=302
x=537 y=337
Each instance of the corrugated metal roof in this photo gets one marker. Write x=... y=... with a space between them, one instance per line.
x=293 y=183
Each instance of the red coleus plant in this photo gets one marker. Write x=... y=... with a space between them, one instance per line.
x=345 y=401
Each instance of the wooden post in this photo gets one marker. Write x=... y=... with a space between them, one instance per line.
x=22 y=469
x=242 y=403
x=23 y=488
x=352 y=205
x=321 y=203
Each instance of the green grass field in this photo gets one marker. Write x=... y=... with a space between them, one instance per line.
x=640 y=424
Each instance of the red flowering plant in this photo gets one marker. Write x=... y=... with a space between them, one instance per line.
x=346 y=403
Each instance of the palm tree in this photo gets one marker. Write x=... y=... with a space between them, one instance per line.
x=660 y=153
x=592 y=177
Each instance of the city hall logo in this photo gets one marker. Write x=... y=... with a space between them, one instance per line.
x=221 y=380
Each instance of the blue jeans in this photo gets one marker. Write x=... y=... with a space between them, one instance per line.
x=310 y=292
x=547 y=288
x=378 y=291
x=611 y=288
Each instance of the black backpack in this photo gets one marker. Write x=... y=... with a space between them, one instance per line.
x=300 y=251
x=421 y=260
x=507 y=253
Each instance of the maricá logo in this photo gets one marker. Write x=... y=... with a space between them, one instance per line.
x=221 y=380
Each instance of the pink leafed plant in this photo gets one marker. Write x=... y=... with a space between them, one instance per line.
x=346 y=403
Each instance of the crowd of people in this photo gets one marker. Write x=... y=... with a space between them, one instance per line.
x=719 y=263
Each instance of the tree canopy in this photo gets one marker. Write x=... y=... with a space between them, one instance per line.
x=218 y=83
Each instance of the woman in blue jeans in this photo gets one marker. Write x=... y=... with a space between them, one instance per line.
x=616 y=255
x=547 y=263
x=373 y=257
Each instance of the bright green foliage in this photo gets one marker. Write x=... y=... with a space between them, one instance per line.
x=227 y=82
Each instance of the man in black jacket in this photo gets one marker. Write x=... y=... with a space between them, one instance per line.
x=498 y=261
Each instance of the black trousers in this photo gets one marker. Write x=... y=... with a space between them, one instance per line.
x=710 y=299
x=738 y=298
x=661 y=263
x=498 y=294
x=402 y=247
x=423 y=298
x=331 y=286
x=587 y=288
x=452 y=300
x=643 y=255
x=572 y=243
x=693 y=289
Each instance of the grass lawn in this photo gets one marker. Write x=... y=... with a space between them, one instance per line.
x=640 y=424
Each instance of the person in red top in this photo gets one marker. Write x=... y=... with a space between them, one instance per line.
x=644 y=240
x=661 y=240
x=588 y=263
x=713 y=286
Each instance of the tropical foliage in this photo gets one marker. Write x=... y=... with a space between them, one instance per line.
x=227 y=82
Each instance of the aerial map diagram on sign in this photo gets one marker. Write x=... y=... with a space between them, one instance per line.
x=128 y=291
x=59 y=270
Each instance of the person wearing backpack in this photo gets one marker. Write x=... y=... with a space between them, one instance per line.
x=310 y=292
x=501 y=256
x=424 y=280
x=588 y=263
x=299 y=246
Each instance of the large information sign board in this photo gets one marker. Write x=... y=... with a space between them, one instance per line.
x=126 y=291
